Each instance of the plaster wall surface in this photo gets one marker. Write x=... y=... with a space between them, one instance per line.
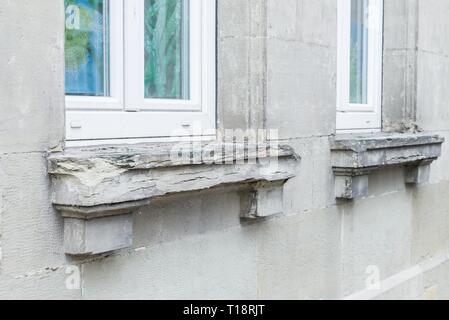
x=276 y=69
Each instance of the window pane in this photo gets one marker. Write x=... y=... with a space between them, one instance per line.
x=359 y=52
x=167 y=49
x=86 y=47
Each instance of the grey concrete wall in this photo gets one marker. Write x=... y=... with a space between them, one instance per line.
x=399 y=80
x=432 y=88
x=433 y=64
x=32 y=122
x=277 y=69
x=301 y=59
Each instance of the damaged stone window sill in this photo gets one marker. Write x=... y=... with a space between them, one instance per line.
x=355 y=157
x=97 y=189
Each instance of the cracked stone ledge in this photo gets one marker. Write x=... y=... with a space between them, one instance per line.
x=97 y=189
x=355 y=157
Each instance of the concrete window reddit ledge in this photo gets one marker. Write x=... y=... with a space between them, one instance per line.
x=355 y=157
x=97 y=189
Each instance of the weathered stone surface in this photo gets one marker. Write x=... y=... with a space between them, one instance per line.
x=354 y=157
x=91 y=184
x=95 y=177
x=366 y=142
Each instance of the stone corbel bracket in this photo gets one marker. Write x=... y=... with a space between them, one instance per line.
x=355 y=157
x=97 y=189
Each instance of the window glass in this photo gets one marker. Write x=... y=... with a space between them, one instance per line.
x=358 y=91
x=86 y=47
x=166 y=49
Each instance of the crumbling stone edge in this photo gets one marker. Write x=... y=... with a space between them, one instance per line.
x=355 y=157
x=97 y=189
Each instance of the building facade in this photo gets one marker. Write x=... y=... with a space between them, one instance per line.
x=354 y=208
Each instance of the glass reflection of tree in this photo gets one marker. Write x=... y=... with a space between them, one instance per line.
x=163 y=49
x=84 y=44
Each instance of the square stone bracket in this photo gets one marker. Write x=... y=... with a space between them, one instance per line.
x=98 y=229
x=98 y=235
x=356 y=157
x=97 y=190
x=418 y=174
x=351 y=186
x=262 y=201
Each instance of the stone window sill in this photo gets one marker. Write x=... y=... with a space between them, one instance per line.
x=97 y=189
x=355 y=157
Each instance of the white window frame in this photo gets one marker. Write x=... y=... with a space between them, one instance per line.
x=360 y=117
x=127 y=116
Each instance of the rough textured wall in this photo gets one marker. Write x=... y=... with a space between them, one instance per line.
x=277 y=68
x=301 y=59
x=31 y=122
x=433 y=65
x=241 y=64
x=399 y=79
x=432 y=114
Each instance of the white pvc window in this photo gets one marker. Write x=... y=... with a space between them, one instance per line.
x=138 y=69
x=359 y=87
